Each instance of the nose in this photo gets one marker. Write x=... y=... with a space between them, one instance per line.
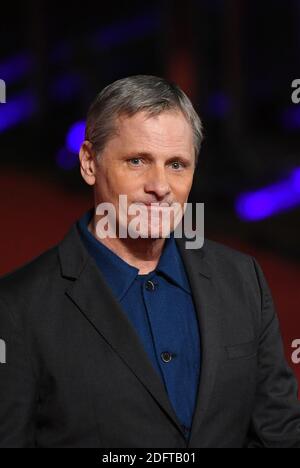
x=157 y=183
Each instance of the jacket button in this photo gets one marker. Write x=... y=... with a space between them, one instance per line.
x=166 y=356
x=150 y=286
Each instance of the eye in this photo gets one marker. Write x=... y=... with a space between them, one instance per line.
x=133 y=161
x=178 y=162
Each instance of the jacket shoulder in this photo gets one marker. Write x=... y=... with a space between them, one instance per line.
x=31 y=277
x=211 y=249
x=221 y=252
x=230 y=263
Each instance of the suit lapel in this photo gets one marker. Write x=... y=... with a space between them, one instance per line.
x=96 y=301
x=208 y=313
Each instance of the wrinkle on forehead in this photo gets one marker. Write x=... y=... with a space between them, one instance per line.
x=168 y=130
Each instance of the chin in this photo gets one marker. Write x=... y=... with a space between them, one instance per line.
x=159 y=233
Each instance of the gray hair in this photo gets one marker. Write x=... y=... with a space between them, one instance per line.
x=134 y=94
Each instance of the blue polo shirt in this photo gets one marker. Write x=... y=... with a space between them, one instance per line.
x=160 y=307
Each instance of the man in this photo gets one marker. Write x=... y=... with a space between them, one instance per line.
x=137 y=341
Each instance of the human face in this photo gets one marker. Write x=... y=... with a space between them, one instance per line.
x=151 y=160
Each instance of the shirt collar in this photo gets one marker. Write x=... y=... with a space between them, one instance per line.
x=119 y=274
x=171 y=265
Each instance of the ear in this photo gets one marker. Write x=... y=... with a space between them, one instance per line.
x=87 y=159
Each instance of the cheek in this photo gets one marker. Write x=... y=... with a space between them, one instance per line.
x=181 y=188
x=129 y=188
x=127 y=184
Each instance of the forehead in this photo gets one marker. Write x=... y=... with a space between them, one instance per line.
x=167 y=129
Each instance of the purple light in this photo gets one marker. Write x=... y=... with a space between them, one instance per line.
x=66 y=160
x=255 y=206
x=75 y=137
x=19 y=66
x=17 y=110
x=296 y=180
x=16 y=67
x=271 y=200
x=22 y=107
x=291 y=118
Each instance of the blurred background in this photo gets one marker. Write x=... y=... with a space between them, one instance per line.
x=235 y=59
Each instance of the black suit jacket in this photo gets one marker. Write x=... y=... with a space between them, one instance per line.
x=77 y=375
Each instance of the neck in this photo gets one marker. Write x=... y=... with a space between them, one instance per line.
x=143 y=254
